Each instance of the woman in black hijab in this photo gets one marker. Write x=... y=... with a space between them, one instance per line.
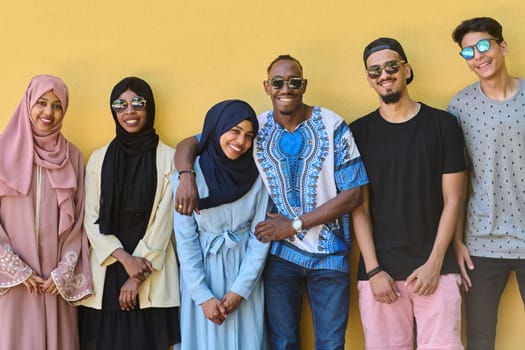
x=129 y=213
x=222 y=303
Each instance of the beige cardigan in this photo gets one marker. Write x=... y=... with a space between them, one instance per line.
x=161 y=288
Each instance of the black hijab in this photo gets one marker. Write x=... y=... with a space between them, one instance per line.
x=227 y=180
x=130 y=156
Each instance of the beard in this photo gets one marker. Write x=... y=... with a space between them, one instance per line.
x=391 y=97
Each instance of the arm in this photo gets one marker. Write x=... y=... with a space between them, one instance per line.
x=192 y=265
x=254 y=258
x=462 y=253
x=153 y=246
x=186 y=197
x=278 y=227
x=382 y=284
x=426 y=277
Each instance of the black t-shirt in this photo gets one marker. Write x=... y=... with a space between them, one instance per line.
x=405 y=163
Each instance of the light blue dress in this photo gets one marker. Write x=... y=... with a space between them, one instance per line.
x=218 y=252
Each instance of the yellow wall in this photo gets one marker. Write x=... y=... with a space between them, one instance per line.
x=195 y=53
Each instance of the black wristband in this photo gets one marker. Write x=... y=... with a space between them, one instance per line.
x=374 y=271
x=190 y=171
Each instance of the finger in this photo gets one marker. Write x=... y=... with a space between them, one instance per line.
x=392 y=296
x=272 y=215
x=150 y=265
x=122 y=304
x=222 y=310
x=29 y=287
x=395 y=289
x=466 y=284
x=416 y=286
x=140 y=276
x=410 y=279
x=469 y=262
x=465 y=277
x=129 y=305
x=123 y=301
x=37 y=279
x=259 y=227
x=34 y=287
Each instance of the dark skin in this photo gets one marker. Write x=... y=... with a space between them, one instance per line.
x=138 y=269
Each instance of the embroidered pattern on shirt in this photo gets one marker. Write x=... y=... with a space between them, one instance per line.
x=67 y=279
x=10 y=263
x=292 y=163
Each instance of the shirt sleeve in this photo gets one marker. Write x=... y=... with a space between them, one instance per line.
x=454 y=148
x=190 y=254
x=253 y=262
x=349 y=168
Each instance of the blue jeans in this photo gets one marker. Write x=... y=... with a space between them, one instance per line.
x=488 y=282
x=328 y=293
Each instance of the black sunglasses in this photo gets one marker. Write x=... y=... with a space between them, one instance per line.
x=293 y=83
x=390 y=67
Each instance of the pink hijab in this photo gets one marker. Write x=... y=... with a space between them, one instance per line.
x=22 y=144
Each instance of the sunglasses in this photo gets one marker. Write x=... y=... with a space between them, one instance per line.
x=390 y=67
x=293 y=83
x=137 y=103
x=482 y=46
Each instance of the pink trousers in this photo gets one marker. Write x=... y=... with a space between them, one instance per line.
x=436 y=318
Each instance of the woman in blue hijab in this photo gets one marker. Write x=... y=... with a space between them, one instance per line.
x=221 y=261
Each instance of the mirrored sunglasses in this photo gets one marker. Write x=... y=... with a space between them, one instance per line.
x=137 y=103
x=390 y=67
x=293 y=83
x=482 y=46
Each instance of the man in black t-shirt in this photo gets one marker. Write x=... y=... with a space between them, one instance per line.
x=413 y=154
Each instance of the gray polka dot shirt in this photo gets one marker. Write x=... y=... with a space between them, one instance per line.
x=495 y=145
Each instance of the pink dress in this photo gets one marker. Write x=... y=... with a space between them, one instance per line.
x=30 y=241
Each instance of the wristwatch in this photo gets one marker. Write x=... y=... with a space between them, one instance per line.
x=297 y=224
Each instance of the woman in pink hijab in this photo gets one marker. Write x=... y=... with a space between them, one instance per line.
x=44 y=263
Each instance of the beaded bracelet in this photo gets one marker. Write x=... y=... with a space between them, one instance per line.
x=190 y=171
x=374 y=271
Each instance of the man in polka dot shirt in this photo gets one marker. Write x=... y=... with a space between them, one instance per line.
x=491 y=113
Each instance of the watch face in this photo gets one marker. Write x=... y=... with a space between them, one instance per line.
x=297 y=224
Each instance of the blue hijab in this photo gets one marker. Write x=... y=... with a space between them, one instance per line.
x=227 y=180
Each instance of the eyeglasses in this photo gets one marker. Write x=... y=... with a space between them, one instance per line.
x=390 y=67
x=293 y=83
x=482 y=46
x=137 y=103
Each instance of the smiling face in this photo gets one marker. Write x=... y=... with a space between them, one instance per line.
x=285 y=100
x=130 y=119
x=489 y=64
x=238 y=140
x=390 y=87
x=47 y=112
